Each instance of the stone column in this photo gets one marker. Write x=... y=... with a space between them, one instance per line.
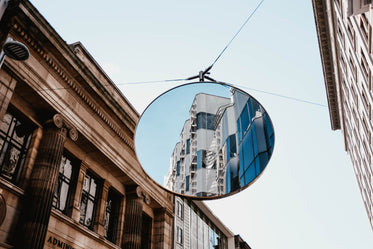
x=133 y=217
x=43 y=180
x=163 y=232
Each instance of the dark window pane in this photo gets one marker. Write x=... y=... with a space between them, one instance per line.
x=239 y=132
x=263 y=157
x=15 y=136
x=258 y=168
x=205 y=121
x=187 y=146
x=241 y=161
x=187 y=179
x=232 y=145
x=254 y=135
x=178 y=168
x=227 y=149
x=250 y=174
x=201 y=154
x=111 y=216
x=68 y=169
x=228 y=179
x=248 y=150
x=244 y=120
x=88 y=201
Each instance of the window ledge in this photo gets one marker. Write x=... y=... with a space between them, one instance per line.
x=75 y=225
x=11 y=187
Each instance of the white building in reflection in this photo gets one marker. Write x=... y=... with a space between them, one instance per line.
x=197 y=164
x=224 y=145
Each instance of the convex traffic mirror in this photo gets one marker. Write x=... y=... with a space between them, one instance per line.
x=204 y=140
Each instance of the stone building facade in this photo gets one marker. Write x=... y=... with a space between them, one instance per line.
x=69 y=176
x=344 y=30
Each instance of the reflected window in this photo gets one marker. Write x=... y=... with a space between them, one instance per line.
x=88 y=202
x=111 y=216
x=178 y=168
x=187 y=146
x=15 y=137
x=201 y=156
x=187 y=179
x=256 y=144
x=205 y=121
x=231 y=147
x=66 y=177
x=245 y=121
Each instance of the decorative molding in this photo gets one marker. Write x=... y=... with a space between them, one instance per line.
x=73 y=85
x=138 y=192
x=326 y=50
x=59 y=121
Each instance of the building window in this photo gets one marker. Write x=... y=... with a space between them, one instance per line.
x=88 y=202
x=15 y=137
x=205 y=121
x=355 y=7
x=179 y=209
x=201 y=159
x=146 y=231
x=187 y=146
x=111 y=216
x=179 y=235
x=66 y=179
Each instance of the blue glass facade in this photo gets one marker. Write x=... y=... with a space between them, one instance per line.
x=231 y=176
x=255 y=141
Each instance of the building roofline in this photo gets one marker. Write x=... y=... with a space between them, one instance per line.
x=326 y=53
x=217 y=222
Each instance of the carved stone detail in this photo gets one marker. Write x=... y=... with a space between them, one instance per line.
x=76 y=87
x=59 y=121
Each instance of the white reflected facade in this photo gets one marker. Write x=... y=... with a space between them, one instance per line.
x=206 y=161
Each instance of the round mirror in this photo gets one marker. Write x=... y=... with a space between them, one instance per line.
x=204 y=140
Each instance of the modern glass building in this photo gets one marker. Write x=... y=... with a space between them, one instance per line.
x=224 y=145
x=255 y=139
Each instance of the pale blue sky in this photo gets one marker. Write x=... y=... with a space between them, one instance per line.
x=308 y=196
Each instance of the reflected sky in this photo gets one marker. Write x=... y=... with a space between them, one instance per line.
x=161 y=123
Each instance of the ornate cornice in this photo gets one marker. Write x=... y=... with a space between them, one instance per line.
x=72 y=84
x=326 y=52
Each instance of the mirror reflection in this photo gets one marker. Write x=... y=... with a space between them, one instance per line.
x=204 y=140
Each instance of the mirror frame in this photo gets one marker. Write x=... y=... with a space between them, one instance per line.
x=201 y=198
